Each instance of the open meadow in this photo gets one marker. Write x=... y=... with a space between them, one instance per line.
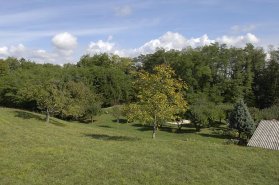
x=35 y=152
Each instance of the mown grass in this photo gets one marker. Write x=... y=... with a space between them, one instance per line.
x=35 y=152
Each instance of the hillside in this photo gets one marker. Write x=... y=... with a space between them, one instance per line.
x=35 y=152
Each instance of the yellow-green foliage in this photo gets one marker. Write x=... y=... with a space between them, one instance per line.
x=159 y=95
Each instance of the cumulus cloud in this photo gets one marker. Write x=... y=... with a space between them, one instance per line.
x=17 y=51
x=62 y=51
x=4 y=51
x=126 y=10
x=168 y=41
x=101 y=46
x=64 y=41
x=237 y=28
x=239 y=41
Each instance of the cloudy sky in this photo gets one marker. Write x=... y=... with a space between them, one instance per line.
x=61 y=31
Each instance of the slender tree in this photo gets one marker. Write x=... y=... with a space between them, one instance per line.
x=117 y=112
x=93 y=110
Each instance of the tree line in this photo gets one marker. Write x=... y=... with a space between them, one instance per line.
x=216 y=77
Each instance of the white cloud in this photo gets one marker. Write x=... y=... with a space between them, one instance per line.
x=62 y=51
x=4 y=51
x=249 y=28
x=64 y=41
x=101 y=46
x=126 y=10
x=17 y=51
x=239 y=41
x=168 y=41
x=237 y=28
x=110 y=37
x=63 y=45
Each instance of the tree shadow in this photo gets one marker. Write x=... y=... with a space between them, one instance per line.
x=87 y=121
x=165 y=129
x=56 y=123
x=216 y=136
x=122 y=121
x=143 y=127
x=176 y=130
x=28 y=115
x=112 y=138
x=188 y=125
x=105 y=126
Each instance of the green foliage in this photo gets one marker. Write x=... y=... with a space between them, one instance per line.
x=241 y=120
x=69 y=99
x=48 y=96
x=205 y=113
x=13 y=63
x=4 y=68
x=197 y=117
x=93 y=110
x=255 y=114
x=215 y=72
x=270 y=113
x=218 y=73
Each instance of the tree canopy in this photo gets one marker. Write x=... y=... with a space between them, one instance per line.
x=158 y=96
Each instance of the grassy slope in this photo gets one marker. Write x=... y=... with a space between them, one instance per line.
x=34 y=152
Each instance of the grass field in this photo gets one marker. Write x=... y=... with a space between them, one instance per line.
x=35 y=152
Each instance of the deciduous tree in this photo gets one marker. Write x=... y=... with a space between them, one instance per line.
x=159 y=95
x=93 y=110
x=117 y=112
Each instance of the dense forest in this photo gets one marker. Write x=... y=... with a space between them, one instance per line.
x=216 y=77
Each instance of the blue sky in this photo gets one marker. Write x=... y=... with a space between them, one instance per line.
x=62 y=31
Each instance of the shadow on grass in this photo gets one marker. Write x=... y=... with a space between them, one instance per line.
x=143 y=127
x=86 y=120
x=123 y=121
x=188 y=126
x=112 y=138
x=166 y=129
x=28 y=115
x=56 y=123
x=216 y=136
x=105 y=126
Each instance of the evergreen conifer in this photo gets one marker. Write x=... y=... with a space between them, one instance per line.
x=241 y=120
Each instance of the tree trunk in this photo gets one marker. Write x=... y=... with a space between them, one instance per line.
x=47 y=116
x=92 y=119
x=239 y=134
x=117 y=122
x=154 y=128
x=179 y=125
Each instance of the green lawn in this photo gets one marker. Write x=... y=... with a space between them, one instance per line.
x=59 y=152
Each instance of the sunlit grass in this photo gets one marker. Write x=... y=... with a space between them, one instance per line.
x=35 y=152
